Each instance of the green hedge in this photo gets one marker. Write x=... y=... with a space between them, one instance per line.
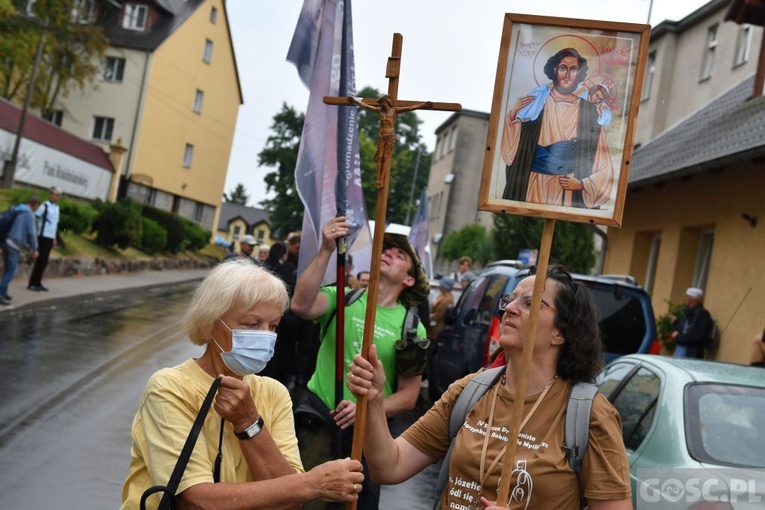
x=117 y=223
x=153 y=236
x=173 y=225
x=76 y=217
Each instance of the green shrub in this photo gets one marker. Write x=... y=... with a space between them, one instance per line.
x=153 y=236
x=76 y=217
x=171 y=223
x=117 y=223
x=195 y=237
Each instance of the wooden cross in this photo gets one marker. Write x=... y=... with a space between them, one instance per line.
x=387 y=107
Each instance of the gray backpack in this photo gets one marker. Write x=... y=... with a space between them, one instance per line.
x=576 y=435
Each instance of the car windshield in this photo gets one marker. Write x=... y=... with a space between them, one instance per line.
x=725 y=424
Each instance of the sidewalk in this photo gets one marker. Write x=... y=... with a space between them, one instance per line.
x=65 y=289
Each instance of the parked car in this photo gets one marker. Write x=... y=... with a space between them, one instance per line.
x=682 y=413
x=465 y=344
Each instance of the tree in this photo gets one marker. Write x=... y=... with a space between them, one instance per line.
x=573 y=244
x=238 y=196
x=403 y=162
x=6 y=9
x=470 y=240
x=72 y=53
x=281 y=150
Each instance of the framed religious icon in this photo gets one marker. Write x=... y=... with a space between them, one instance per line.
x=563 y=116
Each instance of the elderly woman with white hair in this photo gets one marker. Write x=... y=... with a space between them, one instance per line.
x=234 y=313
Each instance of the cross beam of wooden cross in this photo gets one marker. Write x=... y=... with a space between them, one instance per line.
x=386 y=107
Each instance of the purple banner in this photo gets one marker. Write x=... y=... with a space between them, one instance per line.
x=328 y=171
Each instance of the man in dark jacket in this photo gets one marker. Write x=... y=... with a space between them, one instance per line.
x=21 y=236
x=691 y=332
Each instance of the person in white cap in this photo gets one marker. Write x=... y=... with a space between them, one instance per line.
x=47 y=216
x=694 y=328
x=247 y=246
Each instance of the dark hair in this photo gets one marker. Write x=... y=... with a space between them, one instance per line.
x=292 y=241
x=276 y=252
x=581 y=358
x=358 y=276
x=553 y=62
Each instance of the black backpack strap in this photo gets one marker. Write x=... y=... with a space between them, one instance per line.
x=472 y=393
x=577 y=428
x=168 y=496
x=350 y=298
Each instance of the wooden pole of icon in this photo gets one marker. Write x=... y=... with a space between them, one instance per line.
x=387 y=108
x=503 y=491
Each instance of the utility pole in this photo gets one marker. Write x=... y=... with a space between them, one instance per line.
x=414 y=184
x=9 y=169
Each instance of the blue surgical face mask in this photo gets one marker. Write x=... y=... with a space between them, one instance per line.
x=251 y=350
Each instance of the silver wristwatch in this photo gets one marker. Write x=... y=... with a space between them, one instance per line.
x=251 y=431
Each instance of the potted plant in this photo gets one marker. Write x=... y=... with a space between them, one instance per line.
x=664 y=326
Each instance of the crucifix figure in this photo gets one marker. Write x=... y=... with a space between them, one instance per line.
x=386 y=139
x=387 y=107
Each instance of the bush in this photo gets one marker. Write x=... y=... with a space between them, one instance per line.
x=172 y=224
x=76 y=217
x=117 y=223
x=153 y=236
x=195 y=237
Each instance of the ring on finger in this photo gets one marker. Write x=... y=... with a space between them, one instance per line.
x=333 y=230
x=351 y=377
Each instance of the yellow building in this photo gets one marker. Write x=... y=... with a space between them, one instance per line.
x=237 y=221
x=695 y=207
x=169 y=92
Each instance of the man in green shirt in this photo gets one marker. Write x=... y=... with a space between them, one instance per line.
x=402 y=284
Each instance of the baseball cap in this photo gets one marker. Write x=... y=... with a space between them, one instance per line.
x=447 y=282
x=249 y=240
x=54 y=190
x=417 y=293
x=694 y=292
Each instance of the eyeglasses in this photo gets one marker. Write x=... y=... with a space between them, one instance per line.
x=524 y=302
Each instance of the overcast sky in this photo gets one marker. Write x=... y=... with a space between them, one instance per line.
x=449 y=54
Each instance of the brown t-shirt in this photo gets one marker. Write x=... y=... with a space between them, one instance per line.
x=542 y=478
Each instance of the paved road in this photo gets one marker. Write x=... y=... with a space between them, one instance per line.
x=73 y=379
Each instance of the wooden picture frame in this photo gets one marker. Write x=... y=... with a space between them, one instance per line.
x=566 y=99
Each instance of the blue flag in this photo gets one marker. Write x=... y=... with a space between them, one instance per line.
x=328 y=171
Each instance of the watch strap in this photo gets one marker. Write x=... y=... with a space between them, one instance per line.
x=251 y=431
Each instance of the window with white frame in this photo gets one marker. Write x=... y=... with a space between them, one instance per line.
x=709 y=53
x=453 y=139
x=213 y=15
x=207 y=53
x=703 y=258
x=135 y=17
x=653 y=260
x=650 y=70
x=114 y=69
x=188 y=155
x=82 y=11
x=198 y=210
x=54 y=117
x=102 y=128
x=237 y=232
x=199 y=97
x=744 y=39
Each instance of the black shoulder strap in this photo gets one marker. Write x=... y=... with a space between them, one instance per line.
x=472 y=393
x=44 y=219
x=168 y=496
x=350 y=298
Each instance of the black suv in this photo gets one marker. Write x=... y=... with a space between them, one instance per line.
x=464 y=345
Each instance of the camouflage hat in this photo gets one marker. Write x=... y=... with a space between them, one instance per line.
x=417 y=293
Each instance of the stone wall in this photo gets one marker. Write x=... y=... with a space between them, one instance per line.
x=83 y=266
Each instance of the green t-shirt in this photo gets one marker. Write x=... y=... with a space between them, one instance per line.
x=388 y=323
